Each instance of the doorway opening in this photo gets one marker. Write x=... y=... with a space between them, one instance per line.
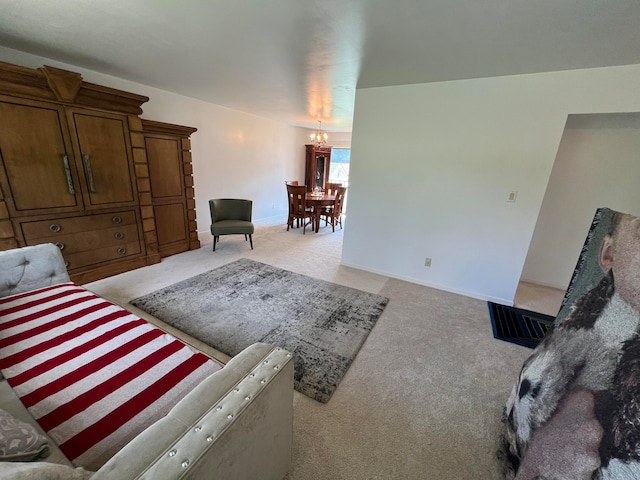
x=596 y=166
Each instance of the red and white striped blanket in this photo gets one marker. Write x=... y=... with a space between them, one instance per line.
x=91 y=373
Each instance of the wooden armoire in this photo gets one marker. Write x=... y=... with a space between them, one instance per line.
x=75 y=173
x=168 y=149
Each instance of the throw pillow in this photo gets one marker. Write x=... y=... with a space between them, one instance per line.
x=43 y=471
x=19 y=441
x=575 y=411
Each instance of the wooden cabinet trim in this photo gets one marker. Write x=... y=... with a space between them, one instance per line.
x=55 y=84
x=152 y=126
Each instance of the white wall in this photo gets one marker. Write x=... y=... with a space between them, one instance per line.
x=432 y=166
x=235 y=154
x=596 y=166
x=340 y=139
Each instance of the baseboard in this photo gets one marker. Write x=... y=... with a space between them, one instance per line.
x=478 y=296
x=544 y=284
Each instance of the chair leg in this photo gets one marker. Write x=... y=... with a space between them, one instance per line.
x=245 y=237
x=215 y=240
x=250 y=241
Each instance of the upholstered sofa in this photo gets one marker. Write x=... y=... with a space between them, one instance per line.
x=235 y=424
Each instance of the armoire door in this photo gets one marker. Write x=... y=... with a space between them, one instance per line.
x=39 y=164
x=104 y=153
x=164 y=157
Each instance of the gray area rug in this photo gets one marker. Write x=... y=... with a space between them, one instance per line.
x=243 y=302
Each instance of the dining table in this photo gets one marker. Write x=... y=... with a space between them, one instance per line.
x=317 y=201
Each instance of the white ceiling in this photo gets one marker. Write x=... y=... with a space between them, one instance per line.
x=298 y=61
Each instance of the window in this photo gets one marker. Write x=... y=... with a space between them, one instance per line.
x=339 y=167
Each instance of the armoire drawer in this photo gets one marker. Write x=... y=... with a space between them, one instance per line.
x=92 y=257
x=91 y=240
x=63 y=226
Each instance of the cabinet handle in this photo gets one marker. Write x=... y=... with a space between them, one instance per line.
x=119 y=235
x=67 y=171
x=116 y=220
x=122 y=250
x=54 y=227
x=87 y=166
x=60 y=245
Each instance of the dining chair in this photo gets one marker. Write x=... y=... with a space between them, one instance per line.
x=231 y=216
x=298 y=209
x=333 y=214
x=331 y=187
x=295 y=183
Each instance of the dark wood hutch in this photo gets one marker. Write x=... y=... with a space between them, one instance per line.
x=318 y=161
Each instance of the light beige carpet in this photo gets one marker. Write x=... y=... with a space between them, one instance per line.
x=423 y=397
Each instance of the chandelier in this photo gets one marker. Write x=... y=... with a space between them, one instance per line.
x=319 y=138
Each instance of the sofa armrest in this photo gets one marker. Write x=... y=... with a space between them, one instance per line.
x=29 y=268
x=238 y=423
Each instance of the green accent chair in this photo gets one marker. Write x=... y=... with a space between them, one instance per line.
x=231 y=216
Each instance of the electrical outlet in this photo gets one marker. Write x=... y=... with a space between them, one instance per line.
x=427 y=262
x=513 y=195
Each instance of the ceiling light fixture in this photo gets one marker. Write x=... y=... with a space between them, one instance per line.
x=319 y=138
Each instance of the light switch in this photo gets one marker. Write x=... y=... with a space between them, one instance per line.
x=512 y=196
